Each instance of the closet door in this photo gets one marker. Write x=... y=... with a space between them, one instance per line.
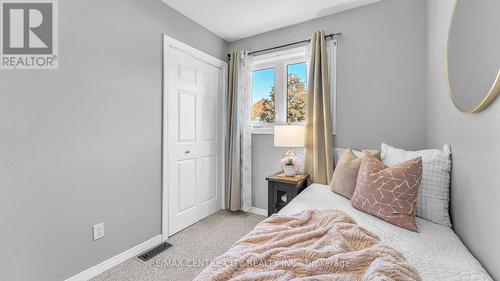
x=194 y=101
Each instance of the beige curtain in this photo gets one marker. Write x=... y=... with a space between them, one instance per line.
x=319 y=140
x=233 y=144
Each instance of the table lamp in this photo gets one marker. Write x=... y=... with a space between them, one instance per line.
x=289 y=136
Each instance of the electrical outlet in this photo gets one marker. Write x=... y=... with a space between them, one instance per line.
x=98 y=231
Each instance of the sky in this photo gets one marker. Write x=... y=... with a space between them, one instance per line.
x=263 y=80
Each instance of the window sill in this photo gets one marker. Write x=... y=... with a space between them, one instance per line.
x=269 y=130
x=262 y=131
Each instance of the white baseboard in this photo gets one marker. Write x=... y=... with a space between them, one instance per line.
x=258 y=211
x=116 y=260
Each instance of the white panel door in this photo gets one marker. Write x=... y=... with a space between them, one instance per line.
x=194 y=100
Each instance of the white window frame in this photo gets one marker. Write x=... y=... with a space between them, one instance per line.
x=279 y=61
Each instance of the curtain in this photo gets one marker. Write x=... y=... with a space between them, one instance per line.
x=238 y=141
x=318 y=139
x=246 y=134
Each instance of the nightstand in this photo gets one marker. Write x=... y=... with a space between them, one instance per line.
x=282 y=189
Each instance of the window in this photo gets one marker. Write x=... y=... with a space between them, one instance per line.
x=296 y=92
x=263 y=93
x=279 y=88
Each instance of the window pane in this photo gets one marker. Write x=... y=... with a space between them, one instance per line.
x=296 y=92
x=263 y=96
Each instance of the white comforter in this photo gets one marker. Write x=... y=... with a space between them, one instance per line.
x=436 y=252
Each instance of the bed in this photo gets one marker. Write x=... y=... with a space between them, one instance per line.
x=436 y=252
x=392 y=253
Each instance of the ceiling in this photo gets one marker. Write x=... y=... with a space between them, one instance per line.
x=237 y=19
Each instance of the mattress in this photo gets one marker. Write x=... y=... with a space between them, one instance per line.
x=436 y=251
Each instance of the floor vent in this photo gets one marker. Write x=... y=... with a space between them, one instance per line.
x=155 y=251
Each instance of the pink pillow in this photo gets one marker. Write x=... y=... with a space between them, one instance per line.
x=389 y=193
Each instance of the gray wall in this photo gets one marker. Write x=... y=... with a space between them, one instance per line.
x=381 y=79
x=81 y=145
x=475 y=139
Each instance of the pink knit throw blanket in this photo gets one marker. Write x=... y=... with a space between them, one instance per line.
x=311 y=245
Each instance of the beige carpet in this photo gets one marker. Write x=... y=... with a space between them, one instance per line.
x=191 y=248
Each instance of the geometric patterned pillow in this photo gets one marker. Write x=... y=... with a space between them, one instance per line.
x=389 y=193
x=434 y=193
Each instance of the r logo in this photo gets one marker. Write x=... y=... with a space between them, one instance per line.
x=27 y=28
x=29 y=36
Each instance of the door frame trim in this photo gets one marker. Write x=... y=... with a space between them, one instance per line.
x=167 y=42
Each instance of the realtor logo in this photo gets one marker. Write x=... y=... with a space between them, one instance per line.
x=28 y=34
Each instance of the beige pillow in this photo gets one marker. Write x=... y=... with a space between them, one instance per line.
x=346 y=172
x=389 y=193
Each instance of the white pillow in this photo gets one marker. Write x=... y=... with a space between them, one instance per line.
x=434 y=193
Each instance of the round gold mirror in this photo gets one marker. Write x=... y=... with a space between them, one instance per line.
x=473 y=59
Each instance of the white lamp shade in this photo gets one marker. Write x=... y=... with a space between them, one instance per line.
x=289 y=136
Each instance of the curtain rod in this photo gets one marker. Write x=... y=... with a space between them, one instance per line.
x=327 y=37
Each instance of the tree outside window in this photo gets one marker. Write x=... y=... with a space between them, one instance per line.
x=296 y=93
x=264 y=94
